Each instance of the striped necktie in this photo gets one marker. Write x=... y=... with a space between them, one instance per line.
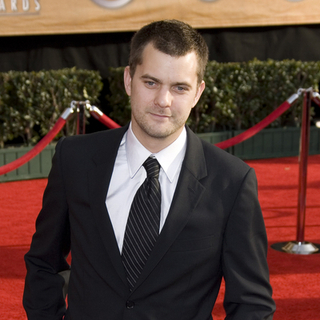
x=143 y=222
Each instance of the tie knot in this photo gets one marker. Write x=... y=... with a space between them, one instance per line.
x=152 y=167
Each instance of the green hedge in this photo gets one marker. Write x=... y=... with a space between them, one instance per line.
x=237 y=95
x=31 y=102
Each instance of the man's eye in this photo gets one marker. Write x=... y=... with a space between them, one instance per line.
x=181 y=89
x=150 y=83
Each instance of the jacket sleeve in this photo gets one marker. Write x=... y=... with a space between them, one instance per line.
x=248 y=291
x=46 y=260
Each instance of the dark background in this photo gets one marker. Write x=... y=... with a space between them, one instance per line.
x=100 y=51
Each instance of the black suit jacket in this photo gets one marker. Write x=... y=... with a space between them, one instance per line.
x=214 y=229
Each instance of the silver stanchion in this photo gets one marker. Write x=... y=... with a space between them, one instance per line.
x=300 y=246
x=81 y=118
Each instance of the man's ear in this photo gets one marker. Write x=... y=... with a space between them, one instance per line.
x=199 y=92
x=127 y=80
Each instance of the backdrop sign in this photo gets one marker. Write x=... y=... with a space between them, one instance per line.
x=26 y=17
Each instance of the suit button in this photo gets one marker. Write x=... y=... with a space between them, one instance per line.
x=129 y=304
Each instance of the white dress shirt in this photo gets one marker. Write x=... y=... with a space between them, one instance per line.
x=129 y=173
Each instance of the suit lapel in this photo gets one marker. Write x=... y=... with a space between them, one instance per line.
x=99 y=180
x=187 y=195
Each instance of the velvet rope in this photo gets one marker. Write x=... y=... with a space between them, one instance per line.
x=224 y=144
x=256 y=128
x=108 y=122
x=96 y=113
x=36 y=150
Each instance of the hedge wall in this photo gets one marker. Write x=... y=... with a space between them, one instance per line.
x=237 y=95
x=31 y=102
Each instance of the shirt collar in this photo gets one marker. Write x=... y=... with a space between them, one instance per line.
x=170 y=158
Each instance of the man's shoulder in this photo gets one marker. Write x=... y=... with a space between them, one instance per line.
x=217 y=157
x=96 y=137
x=92 y=142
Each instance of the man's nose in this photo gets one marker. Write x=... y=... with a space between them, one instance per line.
x=163 y=98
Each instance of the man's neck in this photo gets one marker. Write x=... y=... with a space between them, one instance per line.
x=155 y=145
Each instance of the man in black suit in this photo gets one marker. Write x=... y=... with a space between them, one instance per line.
x=210 y=224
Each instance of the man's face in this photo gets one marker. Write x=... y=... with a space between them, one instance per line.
x=163 y=91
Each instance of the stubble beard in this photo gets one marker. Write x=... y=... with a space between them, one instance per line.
x=156 y=132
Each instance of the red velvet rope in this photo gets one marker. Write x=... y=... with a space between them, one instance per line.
x=107 y=121
x=36 y=150
x=224 y=144
x=112 y=125
x=256 y=128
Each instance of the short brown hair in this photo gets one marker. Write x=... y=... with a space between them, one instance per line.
x=172 y=37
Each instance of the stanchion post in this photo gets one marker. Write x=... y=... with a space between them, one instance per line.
x=303 y=166
x=81 y=119
x=300 y=246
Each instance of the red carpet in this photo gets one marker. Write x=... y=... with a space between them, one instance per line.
x=295 y=279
